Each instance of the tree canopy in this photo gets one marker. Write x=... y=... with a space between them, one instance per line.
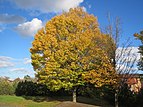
x=71 y=51
x=140 y=37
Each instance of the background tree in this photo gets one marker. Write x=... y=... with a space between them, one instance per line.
x=140 y=37
x=71 y=51
x=6 y=87
x=122 y=56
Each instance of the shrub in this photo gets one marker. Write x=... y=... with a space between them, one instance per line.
x=6 y=87
x=29 y=88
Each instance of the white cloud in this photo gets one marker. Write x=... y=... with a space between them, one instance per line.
x=1 y=29
x=27 y=61
x=29 y=28
x=6 y=62
x=128 y=54
x=21 y=70
x=9 y=19
x=46 y=6
x=15 y=67
x=121 y=68
x=5 y=58
x=127 y=59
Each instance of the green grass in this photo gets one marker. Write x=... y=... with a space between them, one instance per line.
x=28 y=101
x=14 y=101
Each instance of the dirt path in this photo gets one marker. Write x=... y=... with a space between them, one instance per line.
x=71 y=104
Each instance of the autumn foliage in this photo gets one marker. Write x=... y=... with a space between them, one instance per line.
x=139 y=36
x=71 y=51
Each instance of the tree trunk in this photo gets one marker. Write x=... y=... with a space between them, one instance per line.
x=116 y=98
x=74 y=95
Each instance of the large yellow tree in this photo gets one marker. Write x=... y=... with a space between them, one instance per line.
x=71 y=51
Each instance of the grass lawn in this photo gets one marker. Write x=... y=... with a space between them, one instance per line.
x=28 y=101
x=14 y=101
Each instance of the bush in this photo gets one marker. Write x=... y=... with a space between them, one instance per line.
x=126 y=97
x=6 y=87
x=139 y=99
x=29 y=88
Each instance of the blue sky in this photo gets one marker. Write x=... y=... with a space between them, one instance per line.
x=20 y=19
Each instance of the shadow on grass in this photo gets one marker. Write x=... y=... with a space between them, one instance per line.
x=80 y=99
x=35 y=98
x=93 y=101
x=45 y=98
